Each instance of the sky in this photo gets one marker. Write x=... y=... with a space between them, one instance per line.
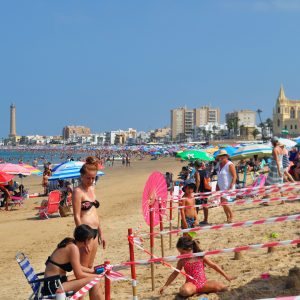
x=125 y=63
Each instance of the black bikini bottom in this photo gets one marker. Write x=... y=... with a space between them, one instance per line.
x=50 y=286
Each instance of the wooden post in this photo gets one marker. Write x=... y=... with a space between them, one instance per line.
x=237 y=255
x=132 y=267
x=107 y=284
x=271 y=249
x=170 y=222
x=161 y=228
x=152 y=244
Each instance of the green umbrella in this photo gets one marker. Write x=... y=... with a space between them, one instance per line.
x=194 y=155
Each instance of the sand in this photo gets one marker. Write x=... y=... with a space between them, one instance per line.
x=120 y=194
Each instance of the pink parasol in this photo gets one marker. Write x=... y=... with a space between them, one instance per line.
x=155 y=190
x=5 y=177
x=13 y=169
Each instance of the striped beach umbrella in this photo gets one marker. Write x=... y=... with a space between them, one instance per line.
x=14 y=169
x=261 y=150
x=31 y=169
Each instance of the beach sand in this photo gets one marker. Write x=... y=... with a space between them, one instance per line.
x=120 y=193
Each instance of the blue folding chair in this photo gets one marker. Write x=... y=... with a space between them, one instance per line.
x=33 y=279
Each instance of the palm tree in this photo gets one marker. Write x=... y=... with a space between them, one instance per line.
x=242 y=129
x=255 y=132
x=235 y=125
x=269 y=124
x=230 y=125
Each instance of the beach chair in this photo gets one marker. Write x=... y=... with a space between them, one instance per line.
x=260 y=181
x=52 y=207
x=34 y=279
x=241 y=183
x=16 y=200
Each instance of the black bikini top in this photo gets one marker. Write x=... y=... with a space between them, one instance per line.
x=86 y=205
x=66 y=267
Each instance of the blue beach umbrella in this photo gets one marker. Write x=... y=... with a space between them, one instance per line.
x=230 y=150
x=69 y=174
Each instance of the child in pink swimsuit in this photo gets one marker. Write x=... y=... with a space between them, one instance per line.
x=194 y=267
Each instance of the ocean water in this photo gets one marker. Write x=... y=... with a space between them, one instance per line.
x=55 y=157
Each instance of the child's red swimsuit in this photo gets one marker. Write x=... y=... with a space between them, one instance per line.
x=196 y=270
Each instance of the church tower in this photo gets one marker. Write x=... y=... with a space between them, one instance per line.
x=286 y=115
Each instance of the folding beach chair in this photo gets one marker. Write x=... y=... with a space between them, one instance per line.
x=260 y=181
x=16 y=200
x=34 y=280
x=52 y=207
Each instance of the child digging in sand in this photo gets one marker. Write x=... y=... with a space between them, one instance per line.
x=194 y=267
x=189 y=216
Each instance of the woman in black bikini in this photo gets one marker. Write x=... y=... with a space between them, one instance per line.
x=85 y=209
x=66 y=258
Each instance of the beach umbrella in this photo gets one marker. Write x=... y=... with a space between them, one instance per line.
x=31 y=169
x=261 y=150
x=155 y=189
x=4 y=177
x=230 y=150
x=69 y=174
x=194 y=155
x=14 y=169
x=288 y=143
x=68 y=165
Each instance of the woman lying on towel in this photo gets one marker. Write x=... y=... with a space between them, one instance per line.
x=66 y=258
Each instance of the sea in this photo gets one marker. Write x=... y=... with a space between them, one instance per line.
x=41 y=156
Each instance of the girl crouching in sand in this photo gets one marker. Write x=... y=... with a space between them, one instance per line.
x=66 y=258
x=195 y=268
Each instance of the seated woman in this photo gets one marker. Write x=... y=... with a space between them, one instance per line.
x=66 y=258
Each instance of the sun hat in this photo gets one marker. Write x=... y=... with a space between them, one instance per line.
x=223 y=152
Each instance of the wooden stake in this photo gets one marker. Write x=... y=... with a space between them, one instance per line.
x=152 y=244
x=161 y=227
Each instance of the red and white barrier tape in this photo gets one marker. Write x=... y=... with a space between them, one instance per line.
x=228 y=226
x=247 y=191
x=210 y=252
x=87 y=287
x=136 y=243
x=241 y=202
x=109 y=273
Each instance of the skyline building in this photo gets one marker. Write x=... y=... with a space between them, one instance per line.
x=185 y=120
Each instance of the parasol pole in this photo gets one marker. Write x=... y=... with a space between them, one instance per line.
x=151 y=213
x=170 y=221
x=161 y=227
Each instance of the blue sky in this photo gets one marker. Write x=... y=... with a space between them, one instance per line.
x=125 y=63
